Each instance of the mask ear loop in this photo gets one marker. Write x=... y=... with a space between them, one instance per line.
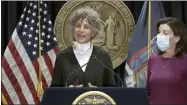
x=177 y=39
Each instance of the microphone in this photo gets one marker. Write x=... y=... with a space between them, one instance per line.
x=92 y=57
x=110 y=71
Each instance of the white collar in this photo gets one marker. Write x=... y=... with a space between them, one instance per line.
x=81 y=48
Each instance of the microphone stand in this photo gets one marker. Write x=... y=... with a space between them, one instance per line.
x=111 y=71
x=77 y=70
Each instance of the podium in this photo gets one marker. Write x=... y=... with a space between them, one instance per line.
x=121 y=96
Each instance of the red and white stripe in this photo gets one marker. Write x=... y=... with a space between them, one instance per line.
x=20 y=75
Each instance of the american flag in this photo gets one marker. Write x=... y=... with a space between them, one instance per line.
x=20 y=63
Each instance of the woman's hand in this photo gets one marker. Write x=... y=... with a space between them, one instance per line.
x=76 y=85
x=90 y=85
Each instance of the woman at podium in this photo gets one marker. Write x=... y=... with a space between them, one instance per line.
x=167 y=70
x=81 y=65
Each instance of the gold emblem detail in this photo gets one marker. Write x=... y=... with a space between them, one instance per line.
x=94 y=98
x=94 y=101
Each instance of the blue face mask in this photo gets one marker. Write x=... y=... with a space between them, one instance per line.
x=163 y=42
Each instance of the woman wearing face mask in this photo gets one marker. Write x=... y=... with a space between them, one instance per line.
x=68 y=70
x=167 y=71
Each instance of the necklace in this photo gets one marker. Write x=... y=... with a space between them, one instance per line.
x=166 y=64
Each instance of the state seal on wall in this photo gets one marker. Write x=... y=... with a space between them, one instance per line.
x=117 y=27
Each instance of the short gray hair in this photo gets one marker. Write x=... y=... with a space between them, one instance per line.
x=90 y=14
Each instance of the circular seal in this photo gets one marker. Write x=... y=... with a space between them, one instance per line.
x=94 y=98
x=117 y=27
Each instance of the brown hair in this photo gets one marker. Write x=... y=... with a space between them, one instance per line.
x=179 y=29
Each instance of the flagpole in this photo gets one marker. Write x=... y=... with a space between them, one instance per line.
x=4 y=100
x=40 y=89
x=149 y=29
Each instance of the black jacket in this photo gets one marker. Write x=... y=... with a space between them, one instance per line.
x=95 y=73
